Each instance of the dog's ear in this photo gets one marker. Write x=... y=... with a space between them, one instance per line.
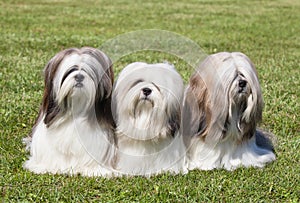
x=47 y=100
x=103 y=98
x=50 y=107
x=51 y=111
x=107 y=81
x=103 y=102
x=107 y=75
x=249 y=118
x=104 y=112
x=196 y=113
x=174 y=122
x=265 y=139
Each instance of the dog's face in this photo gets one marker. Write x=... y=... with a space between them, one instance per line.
x=148 y=98
x=77 y=81
x=226 y=99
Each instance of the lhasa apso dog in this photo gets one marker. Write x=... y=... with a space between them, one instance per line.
x=222 y=107
x=74 y=130
x=147 y=100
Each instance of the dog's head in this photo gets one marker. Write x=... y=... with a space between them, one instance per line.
x=77 y=81
x=147 y=100
x=223 y=98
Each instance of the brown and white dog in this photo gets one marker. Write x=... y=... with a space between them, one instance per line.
x=222 y=107
x=147 y=102
x=74 y=130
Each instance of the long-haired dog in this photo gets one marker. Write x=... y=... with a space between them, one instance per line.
x=222 y=107
x=147 y=100
x=74 y=130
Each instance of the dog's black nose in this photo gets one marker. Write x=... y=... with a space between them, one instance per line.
x=146 y=91
x=79 y=77
x=242 y=83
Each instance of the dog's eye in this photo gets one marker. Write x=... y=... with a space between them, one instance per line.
x=136 y=82
x=156 y=86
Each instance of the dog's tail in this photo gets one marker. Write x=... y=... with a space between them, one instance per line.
x=266 y=140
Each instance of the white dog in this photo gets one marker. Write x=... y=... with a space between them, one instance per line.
x=147 y=100
x=74 y=130
x=222 y=106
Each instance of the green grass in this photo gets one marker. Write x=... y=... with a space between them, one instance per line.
x=267 y=31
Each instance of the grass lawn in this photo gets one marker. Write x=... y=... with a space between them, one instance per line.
x=267 y=31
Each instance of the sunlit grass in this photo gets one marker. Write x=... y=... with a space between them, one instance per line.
x=267 y=31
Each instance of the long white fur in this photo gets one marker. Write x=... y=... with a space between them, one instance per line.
x=75 y=142
x=145 y=146
x=227 y=155
x=76 y=147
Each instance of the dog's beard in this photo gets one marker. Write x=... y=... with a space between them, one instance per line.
x=77 y=97
x=240 y=97
x=141 y=117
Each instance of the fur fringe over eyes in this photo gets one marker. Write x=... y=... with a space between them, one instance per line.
x=222 y=107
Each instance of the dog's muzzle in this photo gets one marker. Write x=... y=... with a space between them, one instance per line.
x=242 y=86
x=79 y=78
x=146 y=91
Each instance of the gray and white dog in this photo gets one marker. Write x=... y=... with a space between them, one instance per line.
x=223 y=105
